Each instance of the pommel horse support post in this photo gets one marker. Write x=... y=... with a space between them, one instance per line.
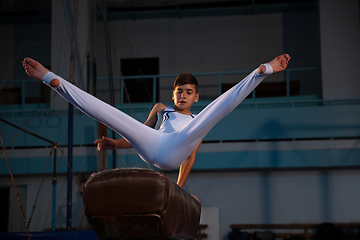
x=133 y=203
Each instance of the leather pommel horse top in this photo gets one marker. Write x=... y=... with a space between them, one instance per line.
x=133 y=203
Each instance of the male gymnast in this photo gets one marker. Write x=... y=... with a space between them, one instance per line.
x=171 y=136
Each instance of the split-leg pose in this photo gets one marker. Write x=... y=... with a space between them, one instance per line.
x=162 y=148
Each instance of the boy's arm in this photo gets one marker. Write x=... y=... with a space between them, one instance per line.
x=152 y=118
x=106 y=143
x=186 y=167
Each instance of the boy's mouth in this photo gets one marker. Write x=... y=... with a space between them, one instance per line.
x=182 y=102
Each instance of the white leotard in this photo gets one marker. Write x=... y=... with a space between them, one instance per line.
x=169 y=147
x=169 y=120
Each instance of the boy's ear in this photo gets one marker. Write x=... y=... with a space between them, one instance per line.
x=172 y=95
x=197 y=97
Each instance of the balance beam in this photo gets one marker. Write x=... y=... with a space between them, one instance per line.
x=133 y=203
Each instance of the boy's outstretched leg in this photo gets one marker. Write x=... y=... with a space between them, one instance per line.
x=224 y=104
x=145 y=140
x=278 y=64
x=37 y=71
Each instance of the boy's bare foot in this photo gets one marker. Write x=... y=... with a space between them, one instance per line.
x=278 y=64
x=37 y=71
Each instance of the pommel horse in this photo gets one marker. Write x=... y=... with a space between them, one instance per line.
x=133 y=203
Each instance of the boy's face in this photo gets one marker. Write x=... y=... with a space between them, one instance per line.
x=184 y=96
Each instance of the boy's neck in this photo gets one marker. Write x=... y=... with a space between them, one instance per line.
x=185 y=111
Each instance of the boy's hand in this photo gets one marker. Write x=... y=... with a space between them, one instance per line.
x=105 y=143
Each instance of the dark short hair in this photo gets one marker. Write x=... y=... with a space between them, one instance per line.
x=186 y=78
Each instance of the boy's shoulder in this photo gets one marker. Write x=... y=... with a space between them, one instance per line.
x=158 y=107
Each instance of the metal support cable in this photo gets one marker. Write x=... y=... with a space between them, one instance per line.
x=54 y=147
x=138 y=67
x=17 y=193
x=24 y=130
x=109 y=64
x=24 y=44
x=53 y=224
x=26 y=125
x=70 y=168
x=70 y=122
x=38 y=192
x=108 y=52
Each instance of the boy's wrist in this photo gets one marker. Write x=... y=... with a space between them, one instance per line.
x=269 y=70
x=48 y=77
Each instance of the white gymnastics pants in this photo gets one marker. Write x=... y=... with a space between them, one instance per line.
x=164 y=150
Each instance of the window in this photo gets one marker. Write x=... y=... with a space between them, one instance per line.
x=140 y=89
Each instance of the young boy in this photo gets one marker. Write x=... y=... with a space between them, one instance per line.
x=185 y=94
x=174 y=139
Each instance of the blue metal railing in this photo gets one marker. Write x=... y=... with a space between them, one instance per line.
x=206 y=74
x=154 y=78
